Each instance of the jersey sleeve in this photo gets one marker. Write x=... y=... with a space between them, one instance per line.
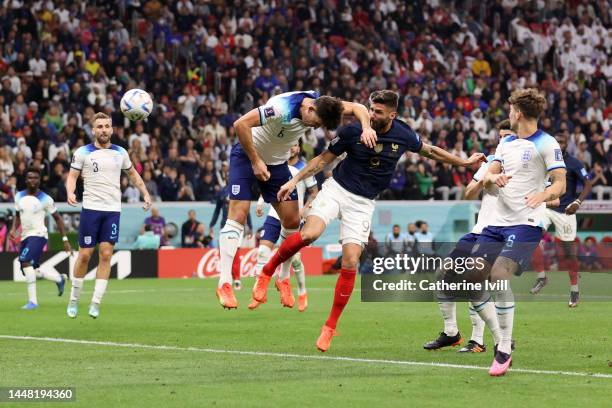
x=552 y=155
x=126 y=162
x=271 y=113
x=415 y=144
x=17 y=198
x=310 y=182
x=78 y=159
x=581 y=172
x=50 y=207
x=481 y=172
x=345 y=136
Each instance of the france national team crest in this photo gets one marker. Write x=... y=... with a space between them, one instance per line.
x=378 y=148
x=235 y=189
x=558 y=155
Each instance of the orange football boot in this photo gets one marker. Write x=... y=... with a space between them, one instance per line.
x=302 y=302
x=286 y=295
x=260 y=290
x=325 y=338
x=226 y=297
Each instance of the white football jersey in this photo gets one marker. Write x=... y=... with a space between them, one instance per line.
x=301 y=188
x=489 y=199
x=33 y=211
x=101 y=171
x=281 y=126
x=528 y=160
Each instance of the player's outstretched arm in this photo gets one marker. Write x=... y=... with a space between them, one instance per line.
x=441 y=155
x=368 y=135
x=73 y=175
x=243 y=127
x=575 y=205
x=62 y=229
x=312 y=167
x=495 y=176
x=472 y=190
x=140 y=185
x=552 y=192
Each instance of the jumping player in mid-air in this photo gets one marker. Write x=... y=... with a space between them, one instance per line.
x=100 y=164
x=271 y=232
x=32 y=207
x=349 y=195
x=265 y=136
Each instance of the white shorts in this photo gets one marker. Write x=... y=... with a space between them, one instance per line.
x=565 y=225
x=354 y=211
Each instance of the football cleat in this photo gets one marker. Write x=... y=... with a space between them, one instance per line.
x=94 y=310
x=260 y=290
x=302 y=302
x=500 y=365
x=325 y=338
x=574 y=299
x=226 y=297
x=538 y=285
x=61 y=284
x=72 y=310
x=473 y=347
x=444 y=341
x=286 y=295
x=29 y=306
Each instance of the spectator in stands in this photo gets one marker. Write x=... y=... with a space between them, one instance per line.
x=397 y=242
x=602 y=181
x=189 y=230
x=157 y=223
x=424 y=180
x=424 y=239
x=147 y=239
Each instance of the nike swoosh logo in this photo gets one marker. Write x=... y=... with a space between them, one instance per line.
x=344 y=295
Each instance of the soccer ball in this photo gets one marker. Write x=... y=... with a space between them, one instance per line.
x=136 y=104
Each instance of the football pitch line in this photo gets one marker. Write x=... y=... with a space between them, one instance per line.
x=297 y=356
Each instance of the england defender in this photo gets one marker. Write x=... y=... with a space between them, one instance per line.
x=100 y=164
x=349 y=195
x=271 y=233
x=562 y=213
x=451 y=335
x=265 y=136
x=528 y=159
x=31 y=209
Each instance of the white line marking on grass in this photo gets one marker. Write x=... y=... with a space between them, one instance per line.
x=299 y=356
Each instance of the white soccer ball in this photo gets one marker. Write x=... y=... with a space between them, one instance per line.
x=136 y=104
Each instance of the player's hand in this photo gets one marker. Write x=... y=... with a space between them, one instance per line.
x=147 y=202
x=368 y=137
x=535 y=199
x=68 y=248
x=72 y=199
x=572 y=208
x=259 y=210
x=501 y=180
x=475 y=158
x=261 y=170
x=13 y=235
x=285 y=191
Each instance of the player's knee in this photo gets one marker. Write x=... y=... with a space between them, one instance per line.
x=308 y=236
x=106 y=254
x=296 y=260
x=350 y=261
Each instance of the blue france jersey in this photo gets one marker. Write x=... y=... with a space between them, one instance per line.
x=281 y=126
x=575 y=172
x=367 y=172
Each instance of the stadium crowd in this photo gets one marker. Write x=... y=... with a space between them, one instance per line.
x=206 y=62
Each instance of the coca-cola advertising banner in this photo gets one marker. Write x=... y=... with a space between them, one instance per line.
x=202 y=263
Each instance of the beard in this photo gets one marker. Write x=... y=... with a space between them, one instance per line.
x=103 y=139
x=379 y=125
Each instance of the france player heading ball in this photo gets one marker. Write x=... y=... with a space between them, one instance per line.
x=349 y=195
x=100 y=164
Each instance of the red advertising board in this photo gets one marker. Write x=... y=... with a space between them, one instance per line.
x=202 y=263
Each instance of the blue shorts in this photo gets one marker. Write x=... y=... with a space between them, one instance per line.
x=516 y=242
x=242 y=179
x=98 y=226
x=464 y=246
x=271 y=229
x=31 y=249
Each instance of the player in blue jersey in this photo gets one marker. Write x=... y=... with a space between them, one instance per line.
x=31 y=209
x=562 y=213
x=349 y=195
x=100 y=164
x=265 y=136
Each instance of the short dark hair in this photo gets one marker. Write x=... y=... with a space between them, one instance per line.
x=530 y=102
x=329 y=110
x=396 y=226
x=504 y=125
x=386 y=97
x=33 y=170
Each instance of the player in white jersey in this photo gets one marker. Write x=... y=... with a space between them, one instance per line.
x=100 y=164
x=271 y=232
x=265 y=136
x=31 y=209
x=520 y=169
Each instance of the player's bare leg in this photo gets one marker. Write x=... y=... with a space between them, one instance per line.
x=80 y=270
x=229 y=240
x=105 y=253
x=312 y=230
x=351 y=253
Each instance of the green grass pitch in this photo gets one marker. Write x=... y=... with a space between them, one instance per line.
x=284 y=367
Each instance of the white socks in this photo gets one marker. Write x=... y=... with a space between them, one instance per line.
x=30 y=276
x=541 y=275
x=263 y=256
x=504 y=305
x=449 y=314
x=285 y=271
x=51 y=275
x=99 y=290
x=229 y=240
x=574 y=288
x=300 y=275
x=486 y=310
x=478 y=326
x=75 y=291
